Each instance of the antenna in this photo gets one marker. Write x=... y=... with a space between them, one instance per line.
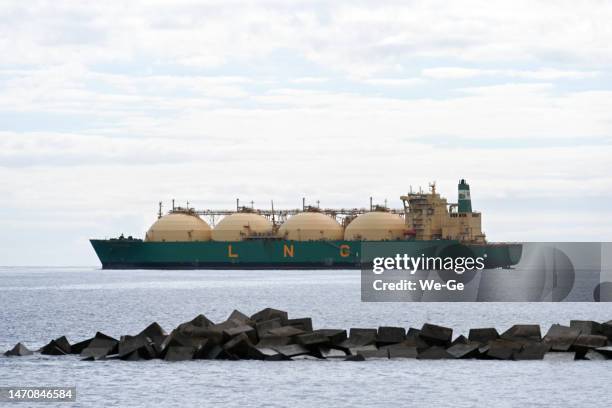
x=303 y=203
x=173 y=204
x=159 y=213
x=237 y=204
x=318 y=204
x=370 y=203
x=252 y=204
x=272 y=204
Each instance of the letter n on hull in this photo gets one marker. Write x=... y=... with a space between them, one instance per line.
x=288 y=251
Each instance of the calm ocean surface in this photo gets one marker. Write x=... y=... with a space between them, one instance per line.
x=38 y=304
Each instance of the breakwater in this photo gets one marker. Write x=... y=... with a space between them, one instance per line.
x=271 y=335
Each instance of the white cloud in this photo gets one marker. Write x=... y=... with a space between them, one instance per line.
x=540 y=74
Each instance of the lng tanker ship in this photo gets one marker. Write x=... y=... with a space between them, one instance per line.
x=249 y=238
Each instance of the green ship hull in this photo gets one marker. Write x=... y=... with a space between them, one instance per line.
x=280 y=254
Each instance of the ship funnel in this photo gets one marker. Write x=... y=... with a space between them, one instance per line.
x=465 y=201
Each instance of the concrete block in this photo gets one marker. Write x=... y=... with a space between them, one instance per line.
x=57 y=347
x=274 y=341
x=412 y=333
x=535 y=351
x=560 y=337
x=217 y=353
x=263 y=327
x=356 y=357
x=502 y=349
x=560 y=356
x=483 y=335
x=529 y=332
x=606 y=351
x=307 y=357
x=238 y=345
x=238 y=316
x=434 y=353
x=269 y=313
x=390 y=335
x=401 y=351
x=19 y=350
x=303 y=323
x=360 y=337
x=291 y=350
x=460 y=340
x=179 y=353
x=141 y=345
x=248 y=330
x=594 y=355
x=436 y=335
x=606 y=329
x=153 y=330
x=77 y=348
x=94 y=353
x=327 y=352
x=192 y=335
x=285 y=331
x=374 y=354
x=335 y=336
x=464 y=350
x=356 y=350
x=586 y=326
x=590 y=341
x=269 y=354
x=312 y=339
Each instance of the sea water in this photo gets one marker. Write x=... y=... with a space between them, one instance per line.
x=39 y=304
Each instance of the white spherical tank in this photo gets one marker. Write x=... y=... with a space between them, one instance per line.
x=311 y=226
x=178 y=227
x=236 y=227
x=376 y=226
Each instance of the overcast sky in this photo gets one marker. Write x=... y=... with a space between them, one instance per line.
x=108 y=107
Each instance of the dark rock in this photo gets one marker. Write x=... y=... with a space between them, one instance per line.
x=152 y=331
x=57 y=347
x=434 y=353
x=216 y=353
x=197 y=335
x=483 y=335
x=248 y=330
x=436 y=335
x=356 y=357
x=560 y=337
x=268 y=314
x=291 y=350
x=502 y=349
x=590 y=341
x=19 y=350
x=464 y=350
x=374 y=354
x=413 y=333
x=530 y=332
x=535 y=351
x=356 y=331
x=335 y=336
x=390 y=335
x=304 y=323
x=265 y=326
x=586 y=326
x=179 y=353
